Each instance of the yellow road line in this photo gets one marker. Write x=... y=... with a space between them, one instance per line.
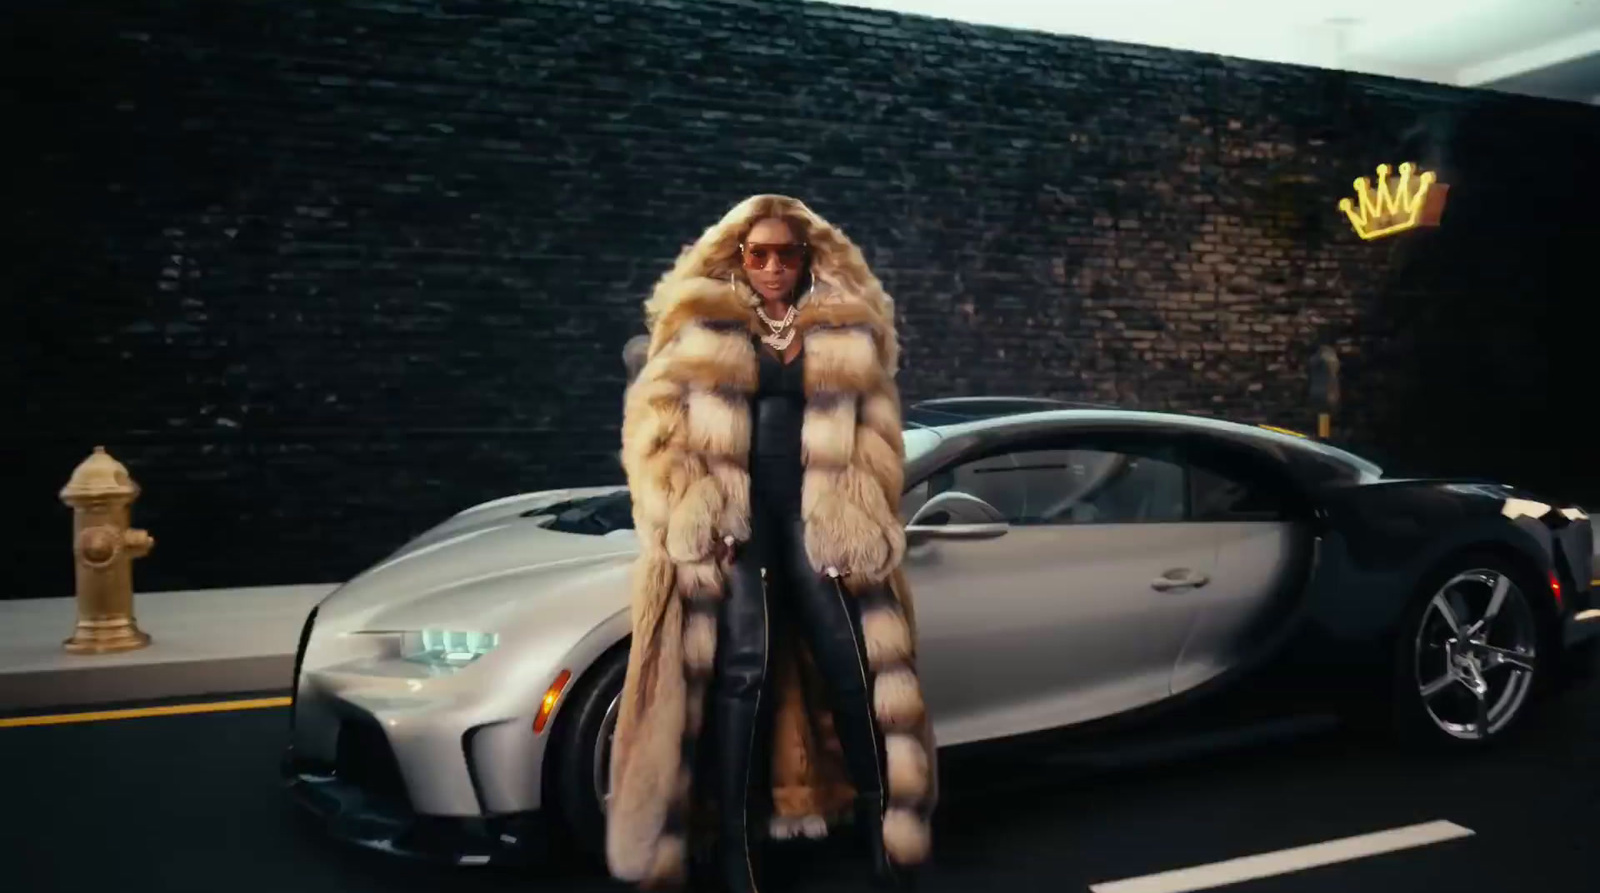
x=56 y=719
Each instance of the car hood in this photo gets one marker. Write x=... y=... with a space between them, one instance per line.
x=496 y=513
x=475 y=567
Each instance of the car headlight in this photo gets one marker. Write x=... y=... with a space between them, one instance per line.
x=445 y=647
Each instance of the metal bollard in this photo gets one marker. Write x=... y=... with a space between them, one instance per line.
x=100 y=493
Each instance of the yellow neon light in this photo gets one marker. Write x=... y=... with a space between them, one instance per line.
x=1281 y=430
x=1395 y=207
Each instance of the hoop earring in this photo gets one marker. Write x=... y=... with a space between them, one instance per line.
x=811 y=290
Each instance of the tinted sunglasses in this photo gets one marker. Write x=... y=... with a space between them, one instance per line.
x=757 y=255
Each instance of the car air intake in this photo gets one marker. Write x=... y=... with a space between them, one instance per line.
x=364 y=759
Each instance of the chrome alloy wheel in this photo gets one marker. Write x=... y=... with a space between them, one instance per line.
x=1474 y=654
x=602 y=754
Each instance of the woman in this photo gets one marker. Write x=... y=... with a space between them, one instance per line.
x=762 y=446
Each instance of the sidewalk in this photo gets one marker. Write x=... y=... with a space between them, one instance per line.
x=205 y=642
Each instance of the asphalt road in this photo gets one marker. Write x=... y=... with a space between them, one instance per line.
x=191 y=803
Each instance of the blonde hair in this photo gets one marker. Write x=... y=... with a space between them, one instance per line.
x=835 y=263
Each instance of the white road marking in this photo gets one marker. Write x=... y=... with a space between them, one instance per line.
x=1232 y=871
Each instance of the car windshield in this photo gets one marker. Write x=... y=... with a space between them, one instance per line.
x=588 y=515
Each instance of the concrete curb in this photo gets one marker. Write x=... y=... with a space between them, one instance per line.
x=205 y=643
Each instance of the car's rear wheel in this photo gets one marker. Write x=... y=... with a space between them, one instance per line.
x=1468 y=656
x=580 y=777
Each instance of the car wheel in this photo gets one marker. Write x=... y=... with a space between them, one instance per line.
x=581 y=779
x=1469 y=653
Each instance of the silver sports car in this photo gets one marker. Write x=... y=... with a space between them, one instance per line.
x=1080 y=569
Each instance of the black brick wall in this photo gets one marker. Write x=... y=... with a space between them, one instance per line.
x=323 y=273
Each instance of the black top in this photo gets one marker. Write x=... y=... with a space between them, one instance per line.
x=777 y=414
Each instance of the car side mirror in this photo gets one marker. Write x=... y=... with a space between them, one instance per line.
x=953 y=515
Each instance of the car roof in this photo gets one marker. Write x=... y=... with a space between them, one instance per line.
x=953 y=410
x=951 y=419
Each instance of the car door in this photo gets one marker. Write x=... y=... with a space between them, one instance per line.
x=1259 y=522
x=1075 y=612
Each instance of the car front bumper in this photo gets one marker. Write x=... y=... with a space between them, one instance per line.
x=353 y=813
x=447 y=744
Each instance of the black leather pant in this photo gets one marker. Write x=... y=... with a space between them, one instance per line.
x=773 y=583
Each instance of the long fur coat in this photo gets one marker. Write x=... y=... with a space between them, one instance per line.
x=686 y=437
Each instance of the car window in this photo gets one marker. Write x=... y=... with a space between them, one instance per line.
x=1220 y=490
x=1083 y=485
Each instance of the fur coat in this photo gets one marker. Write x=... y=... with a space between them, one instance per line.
x=686 y=437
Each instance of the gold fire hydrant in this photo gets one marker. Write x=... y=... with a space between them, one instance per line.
x=100 y=493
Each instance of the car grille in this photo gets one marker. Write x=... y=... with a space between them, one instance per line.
x=363 y=758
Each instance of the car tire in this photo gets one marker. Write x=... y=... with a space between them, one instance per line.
x=1455 y=675
x=581 y=731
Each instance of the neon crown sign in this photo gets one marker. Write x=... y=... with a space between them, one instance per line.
x=1395 y=206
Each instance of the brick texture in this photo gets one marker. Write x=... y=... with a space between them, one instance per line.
x=323 y=273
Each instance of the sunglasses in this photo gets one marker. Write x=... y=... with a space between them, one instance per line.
x=757 y=255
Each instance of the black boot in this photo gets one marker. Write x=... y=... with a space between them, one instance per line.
x=738 y=701
x=869 y=819
x=737 y=851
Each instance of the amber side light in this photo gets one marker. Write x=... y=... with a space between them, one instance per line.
x=551 y=696
x=1555 y=588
